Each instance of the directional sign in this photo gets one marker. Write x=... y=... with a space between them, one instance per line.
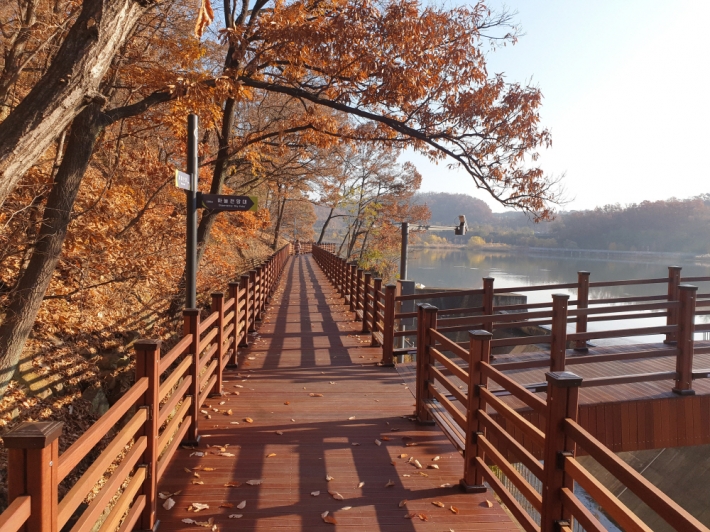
x=222 y=202
x=182 y=180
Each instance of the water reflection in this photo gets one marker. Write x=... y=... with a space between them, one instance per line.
x=447 y=268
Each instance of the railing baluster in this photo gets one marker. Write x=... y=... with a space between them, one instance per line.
x=367 y=302
x=388 y=331
x=488 y=297
x=685 y=340
x=562 y=402
x=673 y=294
x=191 y=317
x=234 y=294
x=33 y=462
x=479 y=351
x=374 y=324
x=147 y=364
x=218 y=306
x=426 y=316
x=558 y=344
x=582 y=302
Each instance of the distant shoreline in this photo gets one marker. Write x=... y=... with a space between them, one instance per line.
x=570 y=252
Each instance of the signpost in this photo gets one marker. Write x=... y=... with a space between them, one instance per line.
x=191 y=200
x=222 y=202
x=194 y=200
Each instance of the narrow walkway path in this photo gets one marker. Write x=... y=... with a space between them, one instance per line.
x=318 y=406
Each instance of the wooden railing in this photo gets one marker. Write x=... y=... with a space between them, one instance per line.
x=365 y=296
x=157 y=414
x=490 y=431
x=378 y=307
x=307 y=247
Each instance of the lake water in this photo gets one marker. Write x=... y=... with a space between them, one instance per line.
x=445 y=268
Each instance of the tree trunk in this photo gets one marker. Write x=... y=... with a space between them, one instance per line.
x=279 y=221
x=71 y=82
x=325 y=225
x=27 y=295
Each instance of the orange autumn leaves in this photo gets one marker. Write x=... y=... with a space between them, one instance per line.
x=205 y=16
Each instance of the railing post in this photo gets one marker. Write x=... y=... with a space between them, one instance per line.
x=32 y=466
x=147 y=364
x=479 y=351
x=562 y=402
x=259 y=287
x=358 y=292
x=234 y=294
x=191 y=326
x=582 y=303
x=558 y=344
x=673 y=294
x=488 y=301
x=685 y=340
x=426 y=320
x=218 y=306
x=374 y=327
x=352 y=285
x=366 y=302
x=244 y=284
x=388 y=331
x=251 y=300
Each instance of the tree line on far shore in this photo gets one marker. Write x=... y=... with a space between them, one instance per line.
x=672 y=225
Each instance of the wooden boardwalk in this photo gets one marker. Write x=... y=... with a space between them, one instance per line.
x=319 y=404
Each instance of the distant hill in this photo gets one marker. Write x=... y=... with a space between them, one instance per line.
x=446 y=207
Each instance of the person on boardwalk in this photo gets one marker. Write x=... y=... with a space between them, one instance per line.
x=298 y=247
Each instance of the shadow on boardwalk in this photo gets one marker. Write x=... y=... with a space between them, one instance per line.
x=308 y=344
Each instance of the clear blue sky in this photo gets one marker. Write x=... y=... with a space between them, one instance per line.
x=626 y=87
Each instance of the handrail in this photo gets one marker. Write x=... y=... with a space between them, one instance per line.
x=664 y=506
x=164 y=413
x=485 y=426
x=16 y=514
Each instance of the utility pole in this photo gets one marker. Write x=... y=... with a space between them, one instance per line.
x=191 y=203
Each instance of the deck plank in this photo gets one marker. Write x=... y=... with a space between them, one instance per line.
x=307 y=341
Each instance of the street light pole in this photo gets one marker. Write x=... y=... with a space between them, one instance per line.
x=405 y=245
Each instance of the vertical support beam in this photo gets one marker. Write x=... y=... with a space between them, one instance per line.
x=191 y=325
x=244 y=284
x=358 y=294
x=147 y=364
x=479 y=351
x=366 y=302
x=193 y=168
x=685 y=340
x=404 y=251
x=582 y=303
x=259 y=293
x=234 y=294
x=673 y=295
x=558 y=344
x=562 y=402
x=251 y=299
x=374 y=324
x=488 y=301
x=426 y=318
x=388 y=331
x=32 y=466
x=218 y=307
x=352 y=285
